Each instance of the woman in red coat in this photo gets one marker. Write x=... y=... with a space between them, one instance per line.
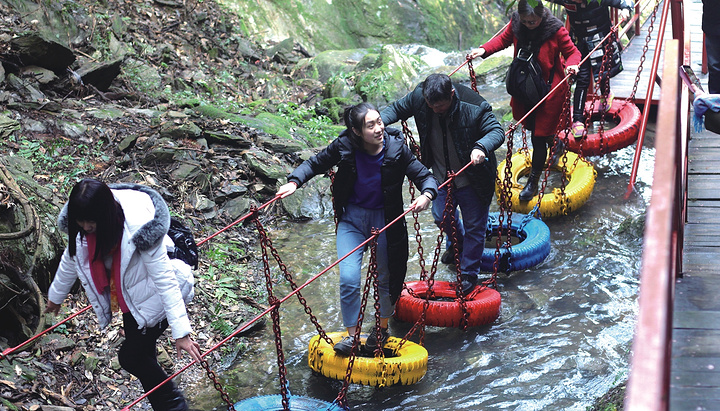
x=550 y=42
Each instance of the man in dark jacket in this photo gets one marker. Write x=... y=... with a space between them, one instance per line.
x=456 y=126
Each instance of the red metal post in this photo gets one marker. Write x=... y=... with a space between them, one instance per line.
x=649 y=382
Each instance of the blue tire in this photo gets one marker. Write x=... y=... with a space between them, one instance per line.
x=274 y=403
x=533 y=248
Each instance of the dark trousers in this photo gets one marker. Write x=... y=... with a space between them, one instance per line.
x=712 y=44
x=138 y=356
x=582 y=83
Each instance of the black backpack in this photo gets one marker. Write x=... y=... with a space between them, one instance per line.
x=524 y=79
x=185 y=247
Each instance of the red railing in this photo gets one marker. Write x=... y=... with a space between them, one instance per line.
x=649 y=383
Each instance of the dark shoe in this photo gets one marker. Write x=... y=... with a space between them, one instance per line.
x=168 y=397
x=178 y=404
x=448 y=256
x=531 y=187
x=557 y=153
x=344 y=347
x=469 y=282
x=371 y=343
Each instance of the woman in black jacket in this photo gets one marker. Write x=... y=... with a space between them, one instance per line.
x=372 y=164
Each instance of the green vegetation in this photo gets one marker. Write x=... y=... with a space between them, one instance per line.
x=224 y=281
x=62 y=154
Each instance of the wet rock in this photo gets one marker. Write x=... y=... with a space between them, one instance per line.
x=312 y=200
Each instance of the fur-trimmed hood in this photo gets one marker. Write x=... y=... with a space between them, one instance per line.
x=151 y=232
x=539 y=35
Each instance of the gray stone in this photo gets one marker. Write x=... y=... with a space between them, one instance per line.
x=228 y=139
x=8 y=126
x=179 y=129
x=39 y=74
x=236 y=207
x=265 y=164
x=279 y=145
x=57 y=342
x=312 y=200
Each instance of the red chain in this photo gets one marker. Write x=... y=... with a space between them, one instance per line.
x=473 y=80
x=213 y=377
x=342 y=395
x=274 y=314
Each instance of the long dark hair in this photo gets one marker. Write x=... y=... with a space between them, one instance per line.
x=525 y=9
x=92 y=200
x=354 y=117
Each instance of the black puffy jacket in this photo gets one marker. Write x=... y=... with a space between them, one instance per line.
x=399 y=162
x=472 y=124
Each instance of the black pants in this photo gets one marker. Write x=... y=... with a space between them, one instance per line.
x=540 y=151
x=138 y=356
x=582 y=83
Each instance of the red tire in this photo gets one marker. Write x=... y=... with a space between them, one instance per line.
x=483 y=306
x=625 y=133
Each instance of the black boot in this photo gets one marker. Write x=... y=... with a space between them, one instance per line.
x=557 y=153
x=168 y=398
x=531 y=187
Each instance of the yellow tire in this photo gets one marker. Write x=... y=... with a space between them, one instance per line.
x=581 y=180
x=407 y=366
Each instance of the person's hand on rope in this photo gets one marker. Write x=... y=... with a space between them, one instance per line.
x=186 y=343
x=477 y=53
x=51 y=307
x=477 y=156
x=287 y=189
x=422 y=202
x=571 y=70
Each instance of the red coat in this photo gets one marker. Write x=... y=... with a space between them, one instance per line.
x=550 y=57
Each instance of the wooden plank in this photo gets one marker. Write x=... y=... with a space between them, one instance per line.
x=696 y=292
x=697 y=364
x=696 y=343
x=698 y=320
x=695 y=379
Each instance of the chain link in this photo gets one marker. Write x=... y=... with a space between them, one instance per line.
x=213 y=377
x=274 y=303
x=265 y=239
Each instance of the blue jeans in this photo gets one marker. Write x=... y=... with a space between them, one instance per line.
x=354 y=228
x=471 y=233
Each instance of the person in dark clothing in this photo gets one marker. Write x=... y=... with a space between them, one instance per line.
x=456 y=127
x=589 y=24
x=372 y=164
x=711 y=28
x=538 y=30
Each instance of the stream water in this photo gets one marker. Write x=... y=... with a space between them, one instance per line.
x=563 y=337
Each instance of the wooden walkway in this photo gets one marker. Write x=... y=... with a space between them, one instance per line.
x=695 y=373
